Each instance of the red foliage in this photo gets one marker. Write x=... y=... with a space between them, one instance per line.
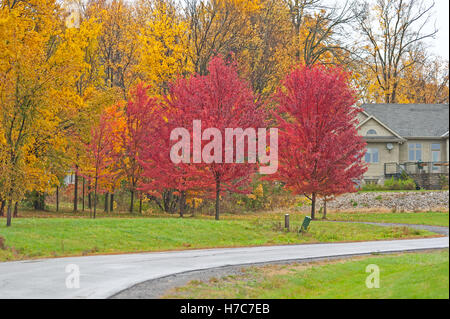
x=320 y=152
x=219 y=100
x=100 y=151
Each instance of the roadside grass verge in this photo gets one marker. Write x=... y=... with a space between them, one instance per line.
x=420 y=218
x=406 y=276
x=53 y=237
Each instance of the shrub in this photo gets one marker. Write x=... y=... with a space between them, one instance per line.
x=372 y=187
x=400 y=184
x=392 y=184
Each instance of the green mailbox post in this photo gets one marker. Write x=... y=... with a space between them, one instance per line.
x=305 y=224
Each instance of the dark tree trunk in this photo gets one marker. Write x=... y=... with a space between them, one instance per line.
x=57 y=198
x=132 y=202
x=140 y=204
x=75 y=191
x=39 y=201
x=313 y=206
x=111 y=202
x=95 y=197
x=8 y=214
x=106 y=202
x=182 y=204
x=16 y=213
x=217 y=199
x=83 y=195
x=2 y=208
x=89 y=197
x=324 y=209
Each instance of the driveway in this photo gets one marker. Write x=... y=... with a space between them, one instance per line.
x=106 y=275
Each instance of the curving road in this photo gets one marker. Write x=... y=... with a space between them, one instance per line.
x=104 y=276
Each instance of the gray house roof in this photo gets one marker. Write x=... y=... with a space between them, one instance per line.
x=412 y=120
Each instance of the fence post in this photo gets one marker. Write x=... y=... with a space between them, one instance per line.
x=286 y=221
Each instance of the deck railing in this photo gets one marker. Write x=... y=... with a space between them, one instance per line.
x=391 y=169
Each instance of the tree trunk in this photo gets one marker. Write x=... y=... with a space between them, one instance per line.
x=106 y=202
x=75 y=191
x=95 y=197
x=182 y=203
x=217 y=199
x=83 y=194
x=313 y=206
x=57 y=198
x=16 y=213
x=111 y=202
x=2 y=208
x=89 y=197
x=324 y=209
x=132 y=202
x=8 y=214
x=39 y=201
x=140 y=204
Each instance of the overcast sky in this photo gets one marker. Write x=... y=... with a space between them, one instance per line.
x=440 y=45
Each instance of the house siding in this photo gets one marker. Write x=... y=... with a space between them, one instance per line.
x=376 y=170
x=426 y=149
x=372 y=124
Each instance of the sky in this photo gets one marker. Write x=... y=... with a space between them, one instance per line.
x=439 y=45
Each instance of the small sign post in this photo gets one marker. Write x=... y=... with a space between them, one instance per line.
x=305 y=224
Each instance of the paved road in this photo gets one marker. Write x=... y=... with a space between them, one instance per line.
x=103 y=276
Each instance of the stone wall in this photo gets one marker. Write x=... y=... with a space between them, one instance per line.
x=429 y=181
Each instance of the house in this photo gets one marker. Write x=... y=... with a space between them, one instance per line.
x=409 y=139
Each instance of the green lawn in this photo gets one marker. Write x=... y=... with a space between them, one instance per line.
x=50 y=237
x=423 y=218
x=407 y=276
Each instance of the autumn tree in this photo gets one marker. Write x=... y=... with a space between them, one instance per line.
x=217 y=27
x=40 y=62
x=320 y=151
x=161 y=180
x=426 y=81
x=220 y=100
x=163 y=38
x=321 y=31
x=100 y=153
x=391 y=29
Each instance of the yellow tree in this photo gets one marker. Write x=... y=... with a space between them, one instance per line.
x=39 y=64
x=426 y=82
x=391 y=29
x=218 y=27
x=163 y=44
x=117 y=42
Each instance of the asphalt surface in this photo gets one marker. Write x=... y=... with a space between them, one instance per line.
x=105 y=276
x=157 y=288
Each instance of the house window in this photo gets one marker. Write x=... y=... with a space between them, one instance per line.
x=371 y=155
x=371 y=181
x=371 y=132
x=415 y=152
x=435 y=155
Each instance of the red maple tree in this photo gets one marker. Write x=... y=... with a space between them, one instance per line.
x=159 y=176
x=219 y=100
x=320 y=151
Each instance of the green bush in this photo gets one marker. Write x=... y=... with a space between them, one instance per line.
x=372 y=187
x=392 y=184
x=400 y=184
